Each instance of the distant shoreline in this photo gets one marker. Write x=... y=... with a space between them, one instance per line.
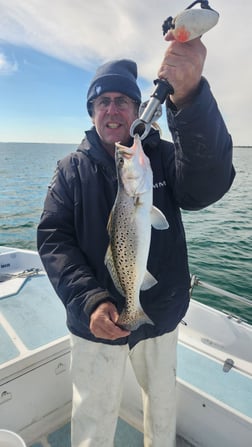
x=38 y=143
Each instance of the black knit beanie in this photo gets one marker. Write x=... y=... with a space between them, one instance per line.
x=114 y=76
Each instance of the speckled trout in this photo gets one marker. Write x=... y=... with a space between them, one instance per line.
x=129 y=229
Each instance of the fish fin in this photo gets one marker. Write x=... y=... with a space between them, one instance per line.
x=158 y=219
x=109 y=224
x=109 y=262
x=131 y=322
x=148 y=282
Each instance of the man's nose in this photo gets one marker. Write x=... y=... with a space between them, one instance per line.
x=112 y=108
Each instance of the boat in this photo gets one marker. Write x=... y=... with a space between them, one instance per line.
x=214 y=374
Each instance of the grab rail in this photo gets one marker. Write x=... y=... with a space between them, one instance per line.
x=197 y=282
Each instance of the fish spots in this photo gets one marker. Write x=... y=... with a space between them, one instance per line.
x=129 y=229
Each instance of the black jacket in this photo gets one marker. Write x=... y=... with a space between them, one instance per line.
x=192 y=173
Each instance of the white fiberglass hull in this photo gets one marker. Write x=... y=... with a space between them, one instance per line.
x=214 y=408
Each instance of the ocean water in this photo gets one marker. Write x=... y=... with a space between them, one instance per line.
x=219 y=237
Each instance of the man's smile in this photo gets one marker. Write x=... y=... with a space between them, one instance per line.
x=113 y=125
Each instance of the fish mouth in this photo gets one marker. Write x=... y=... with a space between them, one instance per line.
x=126 y=155
x=124 y=152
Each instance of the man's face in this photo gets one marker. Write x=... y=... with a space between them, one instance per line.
x=113 y=114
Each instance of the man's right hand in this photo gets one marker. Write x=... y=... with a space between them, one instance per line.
x=182 y=67
x=103 y=322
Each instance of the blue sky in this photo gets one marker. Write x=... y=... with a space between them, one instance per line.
x=48 y=51
x=42 y=100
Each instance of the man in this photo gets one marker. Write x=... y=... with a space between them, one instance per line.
x=193 y=172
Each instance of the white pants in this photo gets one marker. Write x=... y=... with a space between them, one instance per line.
x=98 y=379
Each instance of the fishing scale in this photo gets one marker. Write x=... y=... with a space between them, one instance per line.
x=187 y=25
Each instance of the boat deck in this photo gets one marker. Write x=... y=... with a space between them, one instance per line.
x=126 y=436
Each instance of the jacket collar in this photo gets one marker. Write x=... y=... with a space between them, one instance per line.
x=92 y=147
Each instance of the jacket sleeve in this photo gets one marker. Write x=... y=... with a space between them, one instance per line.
x=203 y=151
x=65 y=263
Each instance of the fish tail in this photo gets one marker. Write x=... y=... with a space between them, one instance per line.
x=132 y=321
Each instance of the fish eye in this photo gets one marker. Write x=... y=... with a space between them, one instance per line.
x=121 y=161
